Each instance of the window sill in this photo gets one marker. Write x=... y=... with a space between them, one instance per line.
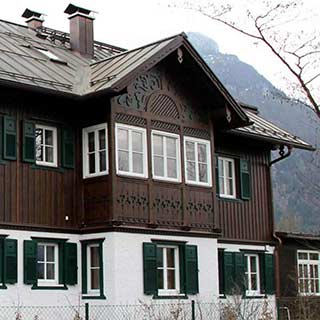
x=96 y=175
x=176 y=297
x=92 y=297
x=134 y=176
x=222 y=198
x=195 y=184
x=42 y=287
x=256 y=296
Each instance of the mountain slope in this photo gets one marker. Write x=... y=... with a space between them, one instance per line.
x=295 y=180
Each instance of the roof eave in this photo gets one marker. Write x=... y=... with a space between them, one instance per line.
x=274 y=141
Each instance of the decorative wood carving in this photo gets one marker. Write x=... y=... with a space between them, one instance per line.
x=196 y=132
x=163 y=105
x=170 y=127
x=139 y=90
x=130 y=119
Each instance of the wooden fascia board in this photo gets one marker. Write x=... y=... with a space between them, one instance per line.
x=148 y=64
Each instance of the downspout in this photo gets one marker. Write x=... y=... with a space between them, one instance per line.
x=283 y=155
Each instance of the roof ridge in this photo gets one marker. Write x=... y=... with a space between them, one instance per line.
x=14 y=23
x=182 y=34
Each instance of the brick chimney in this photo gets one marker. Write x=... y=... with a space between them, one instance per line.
x=81 y=30
x=34 y=19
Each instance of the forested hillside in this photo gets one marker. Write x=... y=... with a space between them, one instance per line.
x=296 y=180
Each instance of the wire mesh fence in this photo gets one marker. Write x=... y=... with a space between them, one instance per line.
x=231 y=308
x=177 y=310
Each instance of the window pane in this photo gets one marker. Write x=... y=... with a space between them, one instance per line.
x=171 y=147
x=102 y=139
x=303 y=255
x=170 y=257
x=92 y=163
x=159 y=166
x=95 y=279
x=202 y=152
x=190 y=151
x=171 y=279
x=253 y=264
x=203 y=173
x=40 y=271
x=160 y=279
x=91 y=146
x=49 y=137
x=221 y=168
x=172 y=168
x=157 y=143
x=94 y=256
x=102 y=160
x=159 y=257
x=221 y=185
x=314 y=256
x=229 y=171
x=254 y=282
x=191 y=171
x=230 y=187
x=123 y=160
x=49 y=154
x=50 y=253
x=50 y=271
x=137 y=165
x=40 y=253
x=136 y=141
x=123 y=140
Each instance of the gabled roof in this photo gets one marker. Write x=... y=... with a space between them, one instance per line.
x=261 y=129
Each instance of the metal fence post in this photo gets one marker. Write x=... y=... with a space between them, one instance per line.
x=193 y=311
x=86 y=311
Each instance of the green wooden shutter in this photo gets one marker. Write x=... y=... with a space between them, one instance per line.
x=61 y=263
x=11 y=256
x=150 y=268
x=29 y=138
x=192 y=282
x=30 y=261
x=269 y=273
x=182 y=267
x=217 y=175
x=245 y=180
x=9 y=138
x=221 y=271
x=239 y=271
x=71 y=263
x=1 y=260
x=67 y=148
x=84 y=268
x=228 y=272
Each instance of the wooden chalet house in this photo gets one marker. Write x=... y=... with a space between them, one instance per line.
x=127 y=175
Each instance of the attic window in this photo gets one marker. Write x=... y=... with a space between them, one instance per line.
x=50 y=55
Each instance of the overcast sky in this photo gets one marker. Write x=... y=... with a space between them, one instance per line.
x=131 y=23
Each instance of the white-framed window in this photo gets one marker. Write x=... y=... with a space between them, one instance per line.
x=46 y=146
x=197 y=161
x=227 y=177
x=47 y=264
x=95 y=150
x=166 y=156
x=168 y=270
x=252 y=274
x=93 y=272
x=308 y=272
x=131 y=151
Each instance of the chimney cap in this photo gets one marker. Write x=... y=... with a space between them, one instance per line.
x=71 y=9
x=28 y=14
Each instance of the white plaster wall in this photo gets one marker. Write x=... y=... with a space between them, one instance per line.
x=123 y=270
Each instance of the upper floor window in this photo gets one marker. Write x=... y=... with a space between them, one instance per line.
x=47 y=265
x=165 y=156
x=308 y=272
x=131 y=151
x=46 y=146
x=95 y=150
x=227 y=179
x=252 y=274
x=197 y=161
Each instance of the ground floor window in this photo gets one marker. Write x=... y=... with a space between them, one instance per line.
x=50 y=263
x=252 y=274
x=308 y=272
x=92 y=269
x=170 y=269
